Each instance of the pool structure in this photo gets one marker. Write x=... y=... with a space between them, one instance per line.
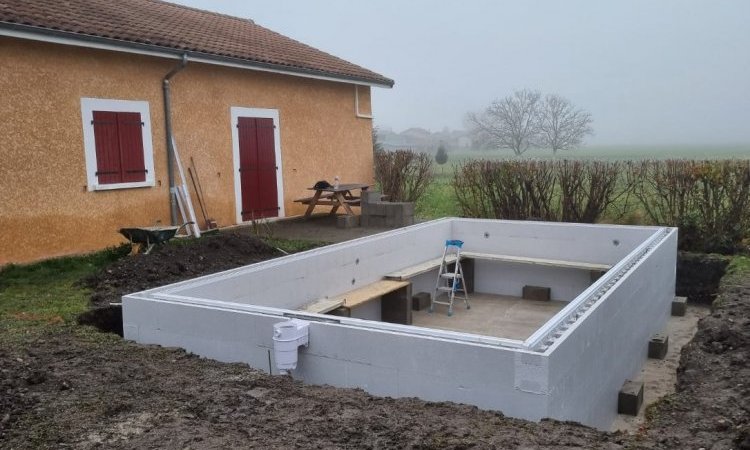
x=606 y=289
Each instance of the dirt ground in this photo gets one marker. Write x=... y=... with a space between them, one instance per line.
x=72 y=386
x=171 y=263
x=660 y=375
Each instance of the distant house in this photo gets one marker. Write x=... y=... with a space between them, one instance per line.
x=93 y=91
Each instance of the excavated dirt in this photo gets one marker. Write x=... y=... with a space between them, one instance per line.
x=699 y=275
x=64 y=389
x=176 y=262
x=164 y=265
x=73 y=388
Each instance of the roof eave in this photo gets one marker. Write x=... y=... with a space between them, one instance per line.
x=91 y=41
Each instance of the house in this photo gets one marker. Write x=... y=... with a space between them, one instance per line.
x=94 y=91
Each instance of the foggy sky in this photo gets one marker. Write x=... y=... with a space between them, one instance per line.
x=650 y=72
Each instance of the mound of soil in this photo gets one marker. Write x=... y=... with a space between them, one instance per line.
x=711 y=408
x=167 y=264
x=85 y=393
x=176 y=262
x=699 y=275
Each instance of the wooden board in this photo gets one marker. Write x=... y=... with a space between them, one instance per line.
x=370 y=292
x=418 y=269
x=323 y=305
x=537 y=261
x=432 y=264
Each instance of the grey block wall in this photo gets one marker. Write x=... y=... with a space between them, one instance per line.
x=377 y=213
x=610 y=345
x=230 y=316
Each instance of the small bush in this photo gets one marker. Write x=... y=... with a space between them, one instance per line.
x=441 y=157
x=404 y=175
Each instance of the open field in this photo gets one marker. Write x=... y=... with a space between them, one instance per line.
x=616 y=152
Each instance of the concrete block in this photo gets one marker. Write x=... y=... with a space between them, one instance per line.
x=376 y=209
x=407 y=220
x=679 y=306
x=393 y=210
x=658 y=346
x=347 y=221
x=420 y=301
x=408 y=209
x=630 y=398
x=370 y=197
x=536 y=293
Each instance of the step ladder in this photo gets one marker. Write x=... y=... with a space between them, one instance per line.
x=450 y=282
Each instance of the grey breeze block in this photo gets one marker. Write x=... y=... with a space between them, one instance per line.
x=536 y=293
x=658 y=346
x=630 y=398
x=420 y=301
x=679 y=306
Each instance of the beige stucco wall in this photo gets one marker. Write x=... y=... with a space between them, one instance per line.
x=45 y=207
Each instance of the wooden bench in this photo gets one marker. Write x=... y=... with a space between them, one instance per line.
x=537 y=261
x=395 y=300
x=432 y=264
x=308 y=200
x=467 y=264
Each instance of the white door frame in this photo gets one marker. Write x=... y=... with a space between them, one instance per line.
x=237 y=112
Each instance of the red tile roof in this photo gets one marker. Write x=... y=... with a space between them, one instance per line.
x=157 y=25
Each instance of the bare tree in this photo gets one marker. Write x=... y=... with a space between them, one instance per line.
x=511 y=122
x=561 y=125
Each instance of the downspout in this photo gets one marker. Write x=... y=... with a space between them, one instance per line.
x=356 y=105
x=168 y=126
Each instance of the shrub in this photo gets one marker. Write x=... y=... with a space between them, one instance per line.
x=708 y=200
x=404 y=175
x=589 y=189
x=441 y=157
x=542 y=190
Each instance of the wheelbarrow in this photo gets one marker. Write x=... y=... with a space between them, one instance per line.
x=148 y=237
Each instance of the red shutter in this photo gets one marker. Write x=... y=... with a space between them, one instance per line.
x=118 y=137
x=108 y=167
x=269 y=202
x=131 y=147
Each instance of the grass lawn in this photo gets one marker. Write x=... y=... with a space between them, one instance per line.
x=47 y=294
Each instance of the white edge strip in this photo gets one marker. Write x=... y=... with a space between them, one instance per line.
x=535 y=339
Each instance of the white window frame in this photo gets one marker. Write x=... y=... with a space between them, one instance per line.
x=236 y=112
x=88 y=106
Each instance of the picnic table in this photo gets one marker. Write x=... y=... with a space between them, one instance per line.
x=335 y=197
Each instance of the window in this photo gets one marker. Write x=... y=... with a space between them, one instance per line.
x=117 y=142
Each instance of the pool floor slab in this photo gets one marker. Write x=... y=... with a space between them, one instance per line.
x=491 y=315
